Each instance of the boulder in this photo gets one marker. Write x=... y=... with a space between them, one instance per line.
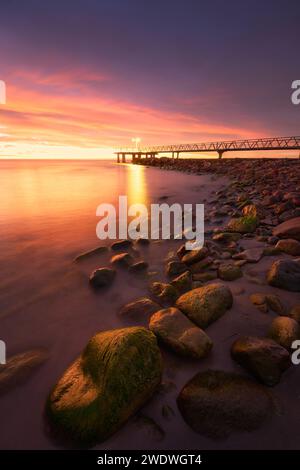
x=295 y=313
x=284 y=331
x=121 y=244
x=288 y=229
x=165 y=294
x=289 y=246
x=285 y=274
x=206 y=304
x=216 y=403
x=205 y=276
x=183 y=282
x=262 y=357
x=123 y=260
x=174 y=268
x=102 y=277
x=245 y=224
x=226 y=237
x=20 y=367
x=88 y=254
x=264 y=302
x=139 y=311
x=138 y=267
x=253 y=210
x=177 y=332
x=252 y=255
x=229 y=272
x=117 y=372
x=193 y=256
x=199 y=266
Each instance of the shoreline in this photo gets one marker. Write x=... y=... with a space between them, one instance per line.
x=76 y=312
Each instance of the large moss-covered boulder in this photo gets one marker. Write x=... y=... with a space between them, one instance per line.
x=206 y=304
x=178 y=333
x=115 y=375
x=217 y=403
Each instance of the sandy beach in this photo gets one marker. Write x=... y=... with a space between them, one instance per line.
x=47 y=302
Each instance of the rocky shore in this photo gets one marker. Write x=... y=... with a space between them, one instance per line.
x=252 y=244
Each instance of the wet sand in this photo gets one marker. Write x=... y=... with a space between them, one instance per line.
x=46 y=301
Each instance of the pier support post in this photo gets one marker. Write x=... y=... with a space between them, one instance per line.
x=118 y=157
x=123 y=158
x=177 y=155
x=220 y=153
x=173 y=155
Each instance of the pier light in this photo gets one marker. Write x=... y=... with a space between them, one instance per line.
x=136 y=140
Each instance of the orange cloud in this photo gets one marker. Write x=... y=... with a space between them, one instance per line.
x=73 y=119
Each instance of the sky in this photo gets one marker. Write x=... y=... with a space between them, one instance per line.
x=84 y=77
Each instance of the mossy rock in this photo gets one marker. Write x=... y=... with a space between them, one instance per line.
x=115 y=375
x=206 y=304
x=245 y=224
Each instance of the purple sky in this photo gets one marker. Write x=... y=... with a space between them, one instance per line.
x=85 y=74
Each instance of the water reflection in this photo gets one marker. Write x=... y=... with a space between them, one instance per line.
x=136 y=185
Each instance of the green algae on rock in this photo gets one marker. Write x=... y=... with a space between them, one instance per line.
x=206 y=304
x=245 y=224
x=115 y=375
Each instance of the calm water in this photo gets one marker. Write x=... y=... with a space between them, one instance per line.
x=47 y=217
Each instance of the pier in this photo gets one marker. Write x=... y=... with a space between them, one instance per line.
x=220 y=147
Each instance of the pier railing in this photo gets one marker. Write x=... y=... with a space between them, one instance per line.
x=270 y=143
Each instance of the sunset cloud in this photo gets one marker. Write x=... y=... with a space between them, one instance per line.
x=91 y=78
